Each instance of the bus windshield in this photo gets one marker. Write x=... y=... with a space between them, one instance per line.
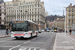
x=19 y=27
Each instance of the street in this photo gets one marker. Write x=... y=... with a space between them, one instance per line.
x=44 y=41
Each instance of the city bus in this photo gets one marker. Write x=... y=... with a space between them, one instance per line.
x=23 y=29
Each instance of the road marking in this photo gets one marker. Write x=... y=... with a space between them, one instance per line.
x=22 y=49
x=42 y=49
x=34 y=39
x=34 y=48
x=38 y=42
x=29 y=48
x=65 y=42
x=14 y=47
x=26 y=42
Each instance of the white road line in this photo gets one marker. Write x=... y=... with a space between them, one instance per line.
x=22 y=49
x=38 y=42
x=26 y=42
x=14 y=47
x=29 y=48
x=34 y=39
x=35 y=49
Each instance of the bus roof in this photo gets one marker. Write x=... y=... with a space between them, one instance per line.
x=26 y=20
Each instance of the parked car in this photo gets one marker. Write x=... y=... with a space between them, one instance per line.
x=47 y=30
x=39 y=31
x=51 y=30
x=42 y=30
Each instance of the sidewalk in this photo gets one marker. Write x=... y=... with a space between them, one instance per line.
x=3 y=35
x=72 y=35
x=63 y=42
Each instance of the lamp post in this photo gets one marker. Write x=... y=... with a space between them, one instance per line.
x=65 y=22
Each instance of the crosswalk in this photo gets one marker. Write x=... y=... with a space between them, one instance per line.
x=31 y=48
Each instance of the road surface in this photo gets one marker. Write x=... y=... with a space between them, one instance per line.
x=44 y=41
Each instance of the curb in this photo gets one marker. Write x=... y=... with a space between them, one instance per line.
x=4 y=36
x=54 y=47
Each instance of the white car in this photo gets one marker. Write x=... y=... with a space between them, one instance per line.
x=48 y=30
x=42 y=30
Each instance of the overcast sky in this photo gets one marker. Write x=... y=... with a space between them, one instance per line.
x=55 y=7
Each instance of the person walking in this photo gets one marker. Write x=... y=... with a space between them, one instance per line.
x=7 y=31
x=70 y=31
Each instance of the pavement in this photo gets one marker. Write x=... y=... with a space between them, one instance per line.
x=64 y=42
x=72 y=35
x=3 y=35
x=44 y=41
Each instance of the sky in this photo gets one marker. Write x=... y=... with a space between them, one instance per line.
x=56 y=7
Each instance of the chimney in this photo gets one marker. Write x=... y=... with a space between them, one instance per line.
x=70 y=4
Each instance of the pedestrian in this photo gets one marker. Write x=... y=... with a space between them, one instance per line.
x=66 y=31
x=70 y=31
x=7 y=31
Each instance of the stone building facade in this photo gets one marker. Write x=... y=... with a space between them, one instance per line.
x=2 y=13
x=33 y=10
x=70 y=16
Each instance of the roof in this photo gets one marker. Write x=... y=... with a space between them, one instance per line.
x=72 y=6
x=59 y=19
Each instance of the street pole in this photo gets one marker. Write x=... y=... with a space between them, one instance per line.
x=65 y=23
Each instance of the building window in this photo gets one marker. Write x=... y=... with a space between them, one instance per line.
x=69 y=12
x=69 y=16
x=38 y=19
x=0 y=10
x=72 y=16
x=38 y=5
x=72 y=8
x=0 y=14
x=69 y=21
x=38 y=12
x=0 y=6
x=38 y=16
x=32 y=19
x=72 y=12
x=69 y=8
x=72 y=21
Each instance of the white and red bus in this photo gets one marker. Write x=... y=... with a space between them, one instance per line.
x=24 y=28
